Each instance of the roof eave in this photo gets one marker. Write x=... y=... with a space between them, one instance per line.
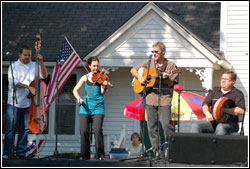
x=223 y=63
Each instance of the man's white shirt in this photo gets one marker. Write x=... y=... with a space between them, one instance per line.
x=25 y=74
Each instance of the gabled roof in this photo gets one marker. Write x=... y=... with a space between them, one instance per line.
x=199 y=18
x=87 y=25
x=198 y=46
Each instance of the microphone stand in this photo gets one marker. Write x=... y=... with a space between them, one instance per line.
x=144 y=103
x=56 y=154
x=14 y=98
x=157 y=116
x=144 y=94
x=178 y=100
x=178 y=121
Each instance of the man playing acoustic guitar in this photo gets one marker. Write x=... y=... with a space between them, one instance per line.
x=237 y=107
x=165 y=69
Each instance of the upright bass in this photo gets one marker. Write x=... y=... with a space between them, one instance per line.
x=37 y=119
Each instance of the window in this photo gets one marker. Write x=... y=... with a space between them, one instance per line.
x=65 y=108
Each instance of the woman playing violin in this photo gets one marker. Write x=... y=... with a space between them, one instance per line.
x=91 y=108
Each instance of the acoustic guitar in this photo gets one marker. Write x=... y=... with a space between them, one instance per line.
x=153 y=74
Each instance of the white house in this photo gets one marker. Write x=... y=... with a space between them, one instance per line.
x=131 y=44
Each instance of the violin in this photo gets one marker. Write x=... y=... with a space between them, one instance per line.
x=37 y=119
x=100 y=77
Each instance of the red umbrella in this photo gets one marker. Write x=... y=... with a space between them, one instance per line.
x=189 y=103
x=134 y=109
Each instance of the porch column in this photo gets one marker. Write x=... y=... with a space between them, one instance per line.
x=208 y=78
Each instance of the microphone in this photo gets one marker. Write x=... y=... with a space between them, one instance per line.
x=8 y=54
x=150 y=56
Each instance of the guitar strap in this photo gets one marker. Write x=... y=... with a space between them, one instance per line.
x=162 y=68
x=164 y=65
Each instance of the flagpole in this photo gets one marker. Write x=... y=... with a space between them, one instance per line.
x=76 y=53
x=50 y=99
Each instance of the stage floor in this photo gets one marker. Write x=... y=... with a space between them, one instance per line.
x=67 y=162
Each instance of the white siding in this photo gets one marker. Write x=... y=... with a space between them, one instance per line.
x=141 y=43
x=115 y=100
x=135 y=45
x=236 y=46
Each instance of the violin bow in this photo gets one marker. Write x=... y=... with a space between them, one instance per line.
x=89 y=91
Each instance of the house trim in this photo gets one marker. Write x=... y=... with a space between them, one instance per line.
x=211 y=55
x=223 y=27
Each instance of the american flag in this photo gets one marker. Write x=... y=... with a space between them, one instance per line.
x=66 y=63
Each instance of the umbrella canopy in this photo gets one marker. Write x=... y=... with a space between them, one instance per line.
x=189 y=103
x=134 y=109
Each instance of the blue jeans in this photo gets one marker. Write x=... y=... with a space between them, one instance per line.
x=21 y=117
x=220 y=129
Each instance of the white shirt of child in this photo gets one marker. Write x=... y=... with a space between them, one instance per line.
x=134 y=151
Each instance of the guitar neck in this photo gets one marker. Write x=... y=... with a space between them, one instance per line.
x=160 y=74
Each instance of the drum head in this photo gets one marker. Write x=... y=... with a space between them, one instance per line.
x=218 y=114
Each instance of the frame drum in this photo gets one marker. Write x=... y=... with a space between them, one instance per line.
x=218 y=114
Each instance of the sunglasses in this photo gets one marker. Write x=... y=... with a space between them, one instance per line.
x=155 y=51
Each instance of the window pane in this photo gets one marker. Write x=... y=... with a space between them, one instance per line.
x=65 y=122
x=65 y=108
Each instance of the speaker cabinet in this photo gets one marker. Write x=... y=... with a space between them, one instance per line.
x=207 y=149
